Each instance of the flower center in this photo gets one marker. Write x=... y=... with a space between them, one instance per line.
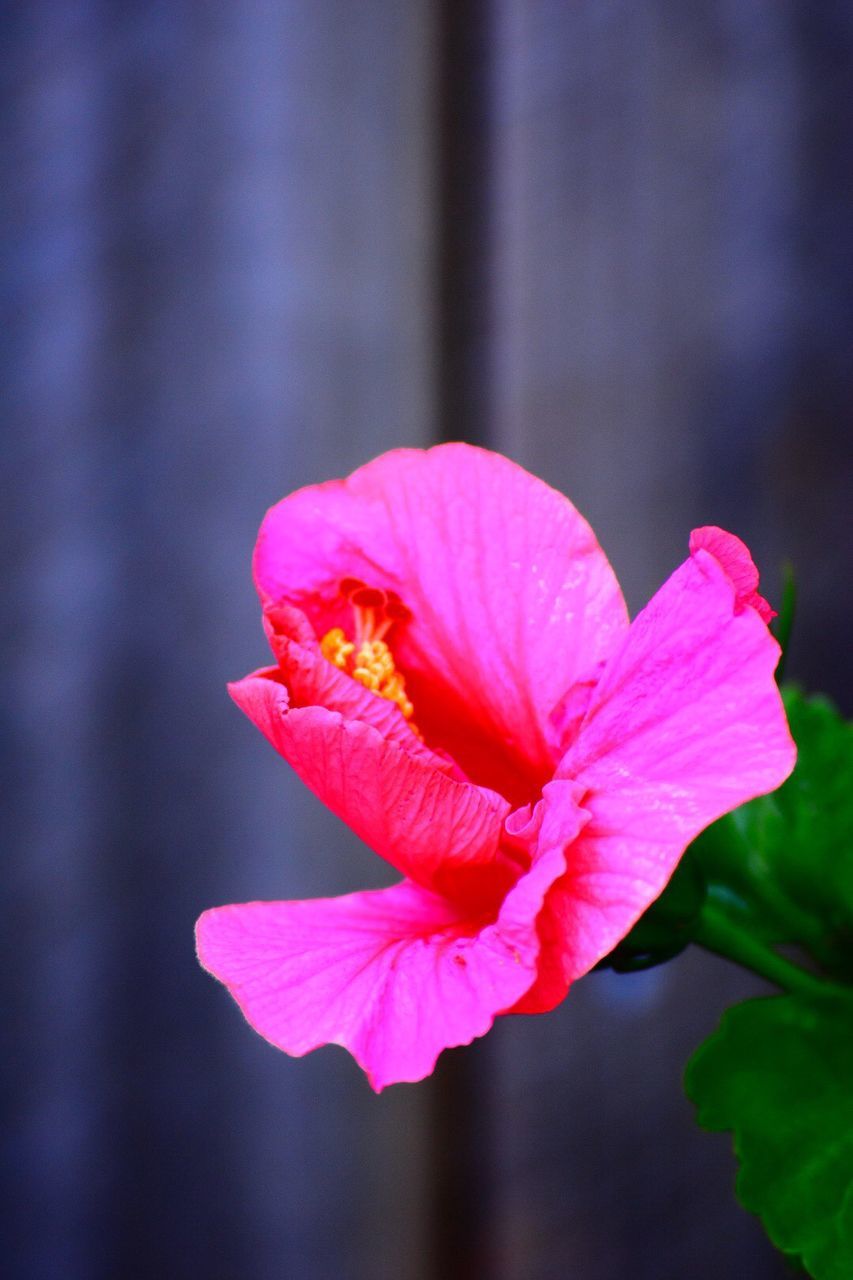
x=367 y=658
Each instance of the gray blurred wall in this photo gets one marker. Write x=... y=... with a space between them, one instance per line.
x=248 y=246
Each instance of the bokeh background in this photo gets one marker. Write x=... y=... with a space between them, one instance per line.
x=248 y=245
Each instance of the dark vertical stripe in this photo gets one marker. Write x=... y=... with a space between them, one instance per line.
x=464 y=75
x=460 y=1168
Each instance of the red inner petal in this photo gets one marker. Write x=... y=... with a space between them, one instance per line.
x=447 y=724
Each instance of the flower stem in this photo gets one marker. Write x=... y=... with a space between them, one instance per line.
x=718 y=933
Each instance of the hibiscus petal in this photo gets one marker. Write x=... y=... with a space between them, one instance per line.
x=685 y=724
x=511 y=595
x=312 y=680
x=734 y=558
x=425 y=823
x=394 y=975
x=554 y=827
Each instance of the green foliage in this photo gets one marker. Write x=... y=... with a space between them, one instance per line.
x=784 y=862
x=779 y=1074
x=778 y=873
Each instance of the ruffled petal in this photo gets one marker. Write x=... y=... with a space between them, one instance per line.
x=512 y=597
x=685 y=725
x=550 y=828
x=312 y=680
x=394 y=975
x=429 y=826
x=734 y=558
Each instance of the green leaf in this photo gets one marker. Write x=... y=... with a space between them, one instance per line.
x=812 y=844
x=779 y=1072
x=784 y=863
x=779 y=1075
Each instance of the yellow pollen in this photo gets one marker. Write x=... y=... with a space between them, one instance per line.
x=372 y=666
x=336 y=648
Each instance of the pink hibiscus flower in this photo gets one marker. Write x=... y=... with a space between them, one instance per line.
x=455 y=676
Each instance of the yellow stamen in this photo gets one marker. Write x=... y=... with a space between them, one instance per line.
x=336 y=648
x=372 y=665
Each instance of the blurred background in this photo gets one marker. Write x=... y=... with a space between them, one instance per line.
x=248 y=245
